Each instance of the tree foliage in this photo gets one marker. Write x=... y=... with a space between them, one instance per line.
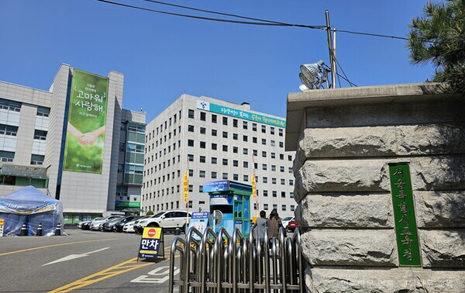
x=439 y=37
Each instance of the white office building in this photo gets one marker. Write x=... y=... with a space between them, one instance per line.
x=215 y=140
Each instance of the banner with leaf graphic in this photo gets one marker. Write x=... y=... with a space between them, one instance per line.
x=85 y=138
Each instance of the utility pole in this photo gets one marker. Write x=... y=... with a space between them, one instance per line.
x=332 y=49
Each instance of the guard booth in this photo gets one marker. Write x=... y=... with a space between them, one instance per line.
x=232 y=199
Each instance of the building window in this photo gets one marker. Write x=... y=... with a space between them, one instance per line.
x=244 y=124
x=254 y=126
x=283 y=194
x=245 y=138
x=235 y=163
x=265 y=206
x=200 y=188
x=37 y=160
x=273 y=180
x=225 y=148
x=202 y=159
x=191 y=113
x=202 y=145
x=191 y=189
x=283 y=207
x=292 y=208
x=235 y=149
x=225 y=134
x=225 y=176
x=214 y=160
x=281 y=144
x=214 y=132
x=41 y=134
x=254 y=139
x=190 y=142
x=246 y=178
x=291 y=182
x=289 y=158
x=43 y=112
x=214 y=118
x=265 y=193
x=235 y=136
x=203 y=130
x=236 y=177
x=202 y=174
x=203 y=116
x=273 y=155
x=291 y=194
x=214 y=146
x=265 y=179
x=235 y=122
x=190 y=204
x=280 y=132
x=272 y=142
x=225 y=120
x=245 y=164
x=10 y=105
x=11 y=130
x=263 y=141
x=271 y=130
x=281 y=169
x=275 y=193
x=245 y=151
x=275 y=206
x=214 y=175
x=190 y=157
x=264 y=154
x=273 y=168
x=225 y=162
x=190 y=128
x=263 y=129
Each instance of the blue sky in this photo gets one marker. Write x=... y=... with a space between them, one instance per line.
x=163 y=56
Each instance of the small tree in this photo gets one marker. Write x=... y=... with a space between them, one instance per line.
x=149 y=213
x=439 y=37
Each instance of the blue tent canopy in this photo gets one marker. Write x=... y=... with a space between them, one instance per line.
x=30 y=206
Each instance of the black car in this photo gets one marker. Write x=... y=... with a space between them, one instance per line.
x=109 y=225
x=84 y=225
x=117 y=225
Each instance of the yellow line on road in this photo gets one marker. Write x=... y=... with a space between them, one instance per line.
x=102 y=275
x=54 y=245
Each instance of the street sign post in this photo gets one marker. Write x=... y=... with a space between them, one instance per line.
x=152 y=244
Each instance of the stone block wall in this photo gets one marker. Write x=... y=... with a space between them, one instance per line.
x=344 y=193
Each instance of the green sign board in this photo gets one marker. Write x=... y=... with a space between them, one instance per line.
x=87 y=115
x=404 y=215
x=241 y=114
x=127 y=204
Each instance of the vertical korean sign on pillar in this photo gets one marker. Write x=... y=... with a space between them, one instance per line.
x=404 y=215
x=85 y=138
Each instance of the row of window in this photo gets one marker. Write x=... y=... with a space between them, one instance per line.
x=161 y=140
x=16 y=106
x=165 y=125
x=235 y=136
x=235 y=122
x=9 y=157
x=13 y=131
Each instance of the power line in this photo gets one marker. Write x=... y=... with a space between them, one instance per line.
x=372 y=35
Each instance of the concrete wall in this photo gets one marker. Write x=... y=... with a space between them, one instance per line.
x=345 y=139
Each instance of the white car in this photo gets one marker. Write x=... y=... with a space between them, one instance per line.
x=286 y=221
x=129 y=226
x=98 y=222
x=166 y=220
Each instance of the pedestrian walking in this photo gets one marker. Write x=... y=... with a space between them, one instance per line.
x=260 y=226
x=274 y=223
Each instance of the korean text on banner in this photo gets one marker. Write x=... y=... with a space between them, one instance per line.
x=86 y=123
x=151 y=243
x=185 y=187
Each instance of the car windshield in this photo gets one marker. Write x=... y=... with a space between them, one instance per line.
x=158 y=215
x=287 y=219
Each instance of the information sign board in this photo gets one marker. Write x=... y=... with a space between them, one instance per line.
x=404 y=215
x=152 y=244
x=199 y=220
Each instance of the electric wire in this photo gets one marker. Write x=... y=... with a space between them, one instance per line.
x=256 y=21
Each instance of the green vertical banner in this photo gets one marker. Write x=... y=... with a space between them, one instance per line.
x=85 y=138
x=404 y=215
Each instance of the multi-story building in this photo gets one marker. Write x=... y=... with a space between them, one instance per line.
x=35 y=126
x=215 y=140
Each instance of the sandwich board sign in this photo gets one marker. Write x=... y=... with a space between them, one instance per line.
x=152 y=244
x=2 y=224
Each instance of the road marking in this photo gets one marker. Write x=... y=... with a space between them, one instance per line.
x=155 y=272
x=118 y=269
x=74 y=256
x=55 y=245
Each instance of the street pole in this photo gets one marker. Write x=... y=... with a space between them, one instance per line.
x=332 y=60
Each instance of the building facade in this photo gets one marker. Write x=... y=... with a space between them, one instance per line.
x=34 y=127
x=214 y=140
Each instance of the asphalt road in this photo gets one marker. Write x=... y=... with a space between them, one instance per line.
x=83 y=261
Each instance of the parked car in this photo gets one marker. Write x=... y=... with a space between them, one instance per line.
x=98 y=222
x=292 y=225
x=119 y=224
x=85 y=225
x=286 y=221
x=166 y=220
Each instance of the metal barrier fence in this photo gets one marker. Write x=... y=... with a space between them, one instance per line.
x=225 y=263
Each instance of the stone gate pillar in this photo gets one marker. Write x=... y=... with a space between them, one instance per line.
x=380 y=182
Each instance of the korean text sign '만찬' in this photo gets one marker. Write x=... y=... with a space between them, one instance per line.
x=151 y=244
